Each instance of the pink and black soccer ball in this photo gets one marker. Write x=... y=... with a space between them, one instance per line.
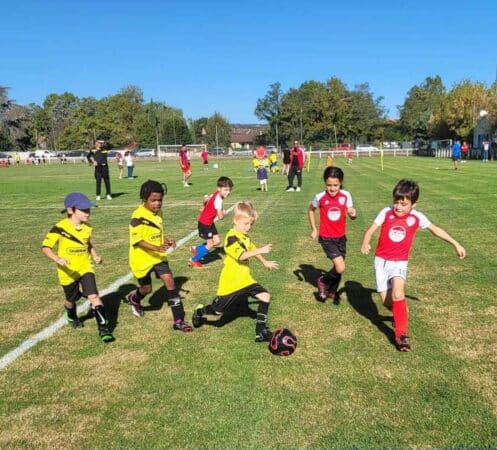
x=283 y=342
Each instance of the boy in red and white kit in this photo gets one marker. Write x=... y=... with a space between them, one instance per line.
x=184 y=162
x=213 y=207
x=334 y=205
x=399 y=224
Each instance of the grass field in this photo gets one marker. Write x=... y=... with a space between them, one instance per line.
x=345 y=387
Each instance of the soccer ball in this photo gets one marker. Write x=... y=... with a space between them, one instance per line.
x=283 y=342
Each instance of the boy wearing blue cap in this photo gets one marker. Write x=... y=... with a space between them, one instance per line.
x=73 y=258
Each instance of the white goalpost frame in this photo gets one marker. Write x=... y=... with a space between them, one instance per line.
x=171 y=151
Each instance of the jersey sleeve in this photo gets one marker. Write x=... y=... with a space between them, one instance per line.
x=424 y=222
x=234 y=247
x=51 y=239
x=315 y=200
x=135 y=231
x=380 y=218
x=218 y=203
x=349 y=203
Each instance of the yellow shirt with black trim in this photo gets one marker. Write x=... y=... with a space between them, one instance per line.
x=235 y=274
x=72 y=244
x=145 y=226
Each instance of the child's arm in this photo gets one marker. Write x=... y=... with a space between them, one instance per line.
x=154 y=248
x=220 y=214
x=366 y=246
x=312 y=221
x=258 y=252
x=49 y=253
x=96 y=257
x=442 y=234
x=352 y=213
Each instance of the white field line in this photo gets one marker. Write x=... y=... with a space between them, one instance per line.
x=49 y=331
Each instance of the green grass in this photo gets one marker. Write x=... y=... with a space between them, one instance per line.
x=345 y=387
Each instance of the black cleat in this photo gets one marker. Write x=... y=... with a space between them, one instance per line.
x=264 y=335
x=198 y=318
x=182 y=326
x=402 y=343
x=74 y=322
x=105 y=334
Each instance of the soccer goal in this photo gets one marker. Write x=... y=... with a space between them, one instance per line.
x=171 y=151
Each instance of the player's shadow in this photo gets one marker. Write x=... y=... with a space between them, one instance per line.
x=241 y=308
x=310 y=275
x=361 y=299
x=112 y=302
x=158 y=297
x=118 y=194
x=212 y=256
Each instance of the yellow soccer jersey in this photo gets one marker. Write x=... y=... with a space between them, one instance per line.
x=144 y=226
x=235 y=274
x=72 y=244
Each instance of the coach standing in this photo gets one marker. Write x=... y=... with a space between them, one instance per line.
x=297 y=158
x=98 y=157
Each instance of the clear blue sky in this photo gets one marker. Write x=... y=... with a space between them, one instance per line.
x=207 y=56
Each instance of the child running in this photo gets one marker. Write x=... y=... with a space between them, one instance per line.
x=262 y=175
x=236 y=282
x=73 y=258
x=213 y=207
x=147 y=253
x=334 y=205
x=399 y=224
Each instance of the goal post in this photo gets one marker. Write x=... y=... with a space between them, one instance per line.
x=171 y=151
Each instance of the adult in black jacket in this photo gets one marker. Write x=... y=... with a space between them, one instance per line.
x=98 y=157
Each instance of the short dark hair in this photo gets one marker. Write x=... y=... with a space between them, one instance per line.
x=225 y=182
x=333 y=172
x=151 y=186
x=406 y=189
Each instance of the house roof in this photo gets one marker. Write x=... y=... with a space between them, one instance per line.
x=246 y=134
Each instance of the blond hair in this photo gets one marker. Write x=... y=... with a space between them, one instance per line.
x=245 y=209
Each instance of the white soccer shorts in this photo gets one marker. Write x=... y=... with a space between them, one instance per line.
x=386 y=270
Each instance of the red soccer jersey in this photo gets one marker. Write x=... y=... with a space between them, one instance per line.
x=209 y=212
x=183 y=159
x=397 y=233
x=332 y=213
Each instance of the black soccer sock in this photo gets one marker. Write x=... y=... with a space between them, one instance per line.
x=332 y=279
x=99 y=314
x=71 y=312
x=261 y=320
x=209 y=310
x=176 y=306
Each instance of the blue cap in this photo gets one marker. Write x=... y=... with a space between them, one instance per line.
x=77 y=200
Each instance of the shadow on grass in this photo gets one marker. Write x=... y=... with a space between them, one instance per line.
x=241 y=308
x=212 y=256
x=361 y=299
x=158 y=298
x=118 y=194
x=310 y=275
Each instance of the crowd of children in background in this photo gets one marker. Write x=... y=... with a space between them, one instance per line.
x=148 y=247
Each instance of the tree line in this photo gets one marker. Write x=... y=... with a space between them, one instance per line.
x=319 y=113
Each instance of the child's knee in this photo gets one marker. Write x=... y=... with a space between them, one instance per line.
x=95 y=300
x=145 y=289
x=264 y=297
x=398 y=293
x=215 y=240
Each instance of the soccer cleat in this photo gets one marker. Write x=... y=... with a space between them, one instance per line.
x=402 y=343
x=193 y=250
x=105 y=334
x=182 y=326
x=74 y=322
x=290 y=189
x=98 y=197
x=195 y=264
x=298 y=189
x=136 y=307
x=322 y=289
x=198 y=318
x=109 y=197
x=264 y=335
x=186 y=185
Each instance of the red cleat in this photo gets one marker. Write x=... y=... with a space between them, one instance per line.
x=195 y=264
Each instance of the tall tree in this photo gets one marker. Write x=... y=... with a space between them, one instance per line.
x=268 y=109
x=218 y=131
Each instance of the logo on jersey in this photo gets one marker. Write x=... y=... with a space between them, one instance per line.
x=410 y=221
x=334 y=214
x=341 y=200
x=397 y=233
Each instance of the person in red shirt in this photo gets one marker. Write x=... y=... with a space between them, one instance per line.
x=212 y=209
x=464 y=151
x=334 y=205
x=398 y=225
x=205 y=158
x=184 y=162
x=297 y=158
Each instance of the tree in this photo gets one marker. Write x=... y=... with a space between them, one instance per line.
x=418 y=108
x=268 y=109
x=218 y=131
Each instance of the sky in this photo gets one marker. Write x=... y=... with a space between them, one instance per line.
x=221 y=56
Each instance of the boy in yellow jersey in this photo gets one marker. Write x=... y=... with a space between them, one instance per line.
x=73 y=258
x=236 y=282
x=147 y=254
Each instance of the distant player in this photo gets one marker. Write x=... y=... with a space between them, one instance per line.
x=204 y=155
x=262 y=174
x=273 y=162
x=334 y=205
x=398 y=225
x=456 y=154
x=236 y=282
x=213 y=207
x=184 y=162
x=147 y=254
x=73 y=258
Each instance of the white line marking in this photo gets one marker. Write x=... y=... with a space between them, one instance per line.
x=49 y=331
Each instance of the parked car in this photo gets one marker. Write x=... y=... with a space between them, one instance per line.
x=217 y=151
x=76 y=153
x=271 y=149
x=144 y=152
x=342 y=147
x=5 y=156
x=366 y=148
